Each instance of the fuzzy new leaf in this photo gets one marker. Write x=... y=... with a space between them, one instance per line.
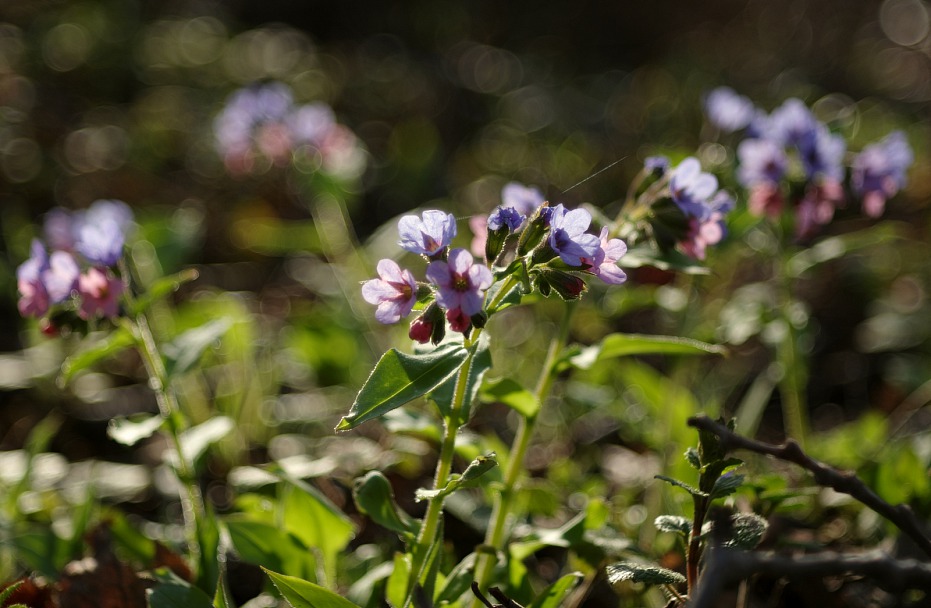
x=681 y=484
x=468 y=479
x=673 y=523
x=623 y=572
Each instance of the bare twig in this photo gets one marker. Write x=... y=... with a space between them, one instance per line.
x=725 y=566
x=825 y=475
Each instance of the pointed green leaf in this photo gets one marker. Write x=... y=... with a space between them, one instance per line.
x=174 y=592
x=553 y=595
x=269 y=546
x=6 y=593
x=621 y=345
x=375 y=498
x=681 y=484
x=512 y=394
x=726 y=485
x=673 y=523
x=183 y=353
x=161 y=288
x=132 y=430
x=443 y=394
x=623 y=572
x=304 y=594
x=115 y=342
x=309 y=515
x=399 y=378
x=457 y=581
x=468 y=479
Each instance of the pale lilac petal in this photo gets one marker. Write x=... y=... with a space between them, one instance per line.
x=438 y=273
x=460 y=261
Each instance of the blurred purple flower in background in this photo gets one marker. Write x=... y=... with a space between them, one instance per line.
x=505 y=217
x=34 y=298
x=708 y=228
x=394 y=292
x=656 y=164
x=525 y=199
x=727 y=110
x=878 y=172
x=761 y=161
x=100 y=294
x=691 y=188
x=428 y=234
x=60 y=276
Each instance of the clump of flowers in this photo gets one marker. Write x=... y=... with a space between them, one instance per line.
x=790 y=159
x=524 y=241
x=79 y=277
x=261 y=125
x=682 y=206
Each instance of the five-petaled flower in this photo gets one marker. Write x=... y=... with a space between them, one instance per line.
x=604 y=264
x=394 y=292
x=879 y=171
x=568 y=237
x=691 y=188
x=428 y=234
x=460 y=286
x=100 y=294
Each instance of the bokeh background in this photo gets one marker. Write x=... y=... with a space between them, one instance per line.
x=116 y=99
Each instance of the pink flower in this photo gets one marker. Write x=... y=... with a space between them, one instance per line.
x=460 y=286
x=394 y=292
x=100 y=294
x=604 y=264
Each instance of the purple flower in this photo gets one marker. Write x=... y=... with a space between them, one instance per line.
x=792 y=124
x=525 y=199
x=727 y=110
x=394 y=292
x=708 y=229
x=105 y=210
x=604 y=264
x=60 y=276
x=428 y=234
x=823 y=156
x=59 y=228
x=878 y=172
x=690 y=187
x=34 y=298
x=460 y=285
x=568 y=237
x=761 y=161
x=505 y=217
x=656 y=164
x=100 y=294
x=311 y=123
x=101 y=242
x=817 y=207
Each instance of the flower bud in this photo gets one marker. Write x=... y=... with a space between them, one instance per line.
x=535 y=231
x=568 y=286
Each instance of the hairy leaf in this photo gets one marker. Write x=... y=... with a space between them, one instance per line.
x=399 y=378
x=642 y=573
x=673 y=523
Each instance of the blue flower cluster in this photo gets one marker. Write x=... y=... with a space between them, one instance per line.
x=552 y=242
x=789 y=150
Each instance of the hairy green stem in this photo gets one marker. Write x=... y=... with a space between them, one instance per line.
x=792 y=385
x=496 y=534
x=192 y=504
x=451 y=424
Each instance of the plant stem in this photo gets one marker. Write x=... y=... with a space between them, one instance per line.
x=693 y=553
x=192 y=504
x=451 y=424
x=496 y=534
x=792 y=385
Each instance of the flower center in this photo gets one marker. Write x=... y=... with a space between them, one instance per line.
x=460 y=283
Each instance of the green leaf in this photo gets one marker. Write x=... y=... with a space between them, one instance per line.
x=174 y=592
x=269 y=546
x=624 y=572
x=553 y=595
x=457 y=581
x=673 y=523
x=836 y=247
x=396 y=587
x=691 y=455
x=668 y=260
x=374 y=497
x=726 y=485
x=6 y=593
x=161 y=288
x=749 y=529
x=183 y=353
x=113 y=343
x=512 y=394
x=304 y=594
x=196 y=440
x=399 y=378
x=621 y=345
x=682 y=484
x=443 y=394
x=468 y=478
x=132 y=430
